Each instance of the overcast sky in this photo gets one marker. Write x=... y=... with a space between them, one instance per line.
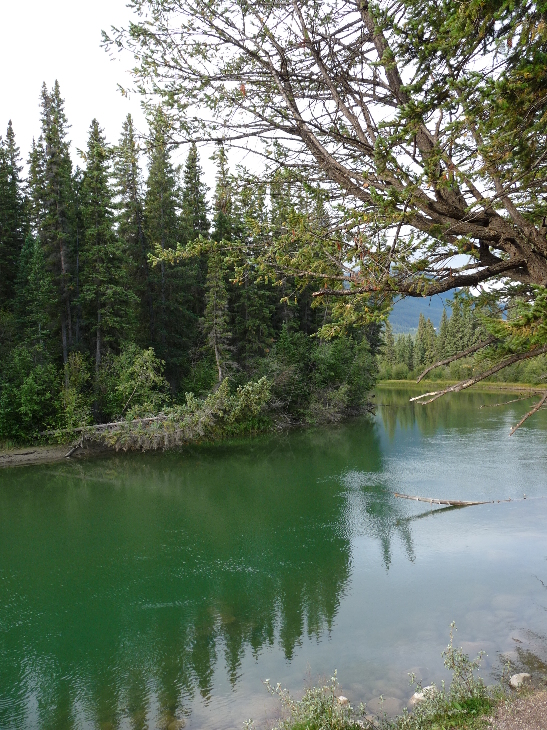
x=44 y=40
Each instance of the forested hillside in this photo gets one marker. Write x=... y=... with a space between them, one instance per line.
x=95 y=329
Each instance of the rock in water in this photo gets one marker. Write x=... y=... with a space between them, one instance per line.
x=420 y=696
x=518 y=680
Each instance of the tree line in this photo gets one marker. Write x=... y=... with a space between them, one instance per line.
x=99 y=322
x=406 y=356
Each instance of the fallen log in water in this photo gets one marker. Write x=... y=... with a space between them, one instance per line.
x=451 y=502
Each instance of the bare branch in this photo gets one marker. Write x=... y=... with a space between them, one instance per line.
x=463 y=384
x=458 y=356
x=505 y=402
x=530 y=413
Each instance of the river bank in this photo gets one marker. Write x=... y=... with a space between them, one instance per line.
x=27 y=454
x=524 y=713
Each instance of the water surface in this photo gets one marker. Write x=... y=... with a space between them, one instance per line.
x=141 y=590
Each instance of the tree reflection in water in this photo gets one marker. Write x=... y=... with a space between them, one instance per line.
x=130 y=578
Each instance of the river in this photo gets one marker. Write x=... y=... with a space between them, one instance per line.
x=144 y=590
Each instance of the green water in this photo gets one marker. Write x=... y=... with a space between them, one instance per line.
x=145 y=589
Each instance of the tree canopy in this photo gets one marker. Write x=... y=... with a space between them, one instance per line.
x=424 y=120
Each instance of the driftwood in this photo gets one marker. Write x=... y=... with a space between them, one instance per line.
x=450 y=502
x=530 y=413
x=506 y=402
x=102 y=426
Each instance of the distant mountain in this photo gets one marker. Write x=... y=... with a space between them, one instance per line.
x=406 y=312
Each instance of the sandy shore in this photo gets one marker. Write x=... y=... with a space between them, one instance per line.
x=33 y=455
x=525 y=713
x=25 y=455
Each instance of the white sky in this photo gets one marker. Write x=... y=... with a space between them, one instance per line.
x=44 y=40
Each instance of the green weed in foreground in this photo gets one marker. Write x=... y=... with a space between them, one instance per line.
x=464 y=704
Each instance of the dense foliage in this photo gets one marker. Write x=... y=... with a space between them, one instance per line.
x=100 y=323
x=422 y=123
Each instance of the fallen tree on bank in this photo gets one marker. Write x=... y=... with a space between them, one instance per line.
x=219 y=415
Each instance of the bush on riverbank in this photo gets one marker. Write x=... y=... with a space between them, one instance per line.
x=302 y=380
x=464 y=704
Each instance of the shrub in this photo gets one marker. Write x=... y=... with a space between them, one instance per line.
x=131 y=385
x=29 y=394
x=462 y=705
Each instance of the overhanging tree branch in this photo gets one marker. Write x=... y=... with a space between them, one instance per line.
x=458 y=356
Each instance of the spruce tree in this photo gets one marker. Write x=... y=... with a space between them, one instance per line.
x=442 y=337
x=430 y=343
x=13 y=220
x=409 y=352
x=35 y=292
x=223 y=223
x=456 y=334
x=174 y=284
x=105 y=296
x=130 y=221
x=216 y=322
x=420 y=343
x=53 y=206
x=194 y=201
x=36 y=184
x=252 y=301
x=389 y=344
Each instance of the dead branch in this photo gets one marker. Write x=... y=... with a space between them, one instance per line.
x=451 y=502
x=505 y=402
x=458 y=356
x=102 y=426
x=530 y=413
x=463 y=384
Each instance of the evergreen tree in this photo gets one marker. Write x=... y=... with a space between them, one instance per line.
x=107 y=302
x=216 y=324
x=130 y=220
x=35 y=291
x=53 y=206
x=456 y=335
x=223 y=222
x=470 y=323
x=174 y=285
x=389 y=344
x=253 y=301
x=194 y=201
x=420 y=343
x=36 y=184
x=13 y=223
x=442 y=337
x=430 y=343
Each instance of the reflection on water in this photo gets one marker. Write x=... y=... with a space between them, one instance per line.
x=139 y=591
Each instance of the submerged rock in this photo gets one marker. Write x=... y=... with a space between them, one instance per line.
x=518 y=680
x=420 y=696
x=385 y=706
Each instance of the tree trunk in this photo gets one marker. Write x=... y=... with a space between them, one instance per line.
x=98 y=350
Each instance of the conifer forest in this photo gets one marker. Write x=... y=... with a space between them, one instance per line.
x=401 y=153
x=94 y=330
